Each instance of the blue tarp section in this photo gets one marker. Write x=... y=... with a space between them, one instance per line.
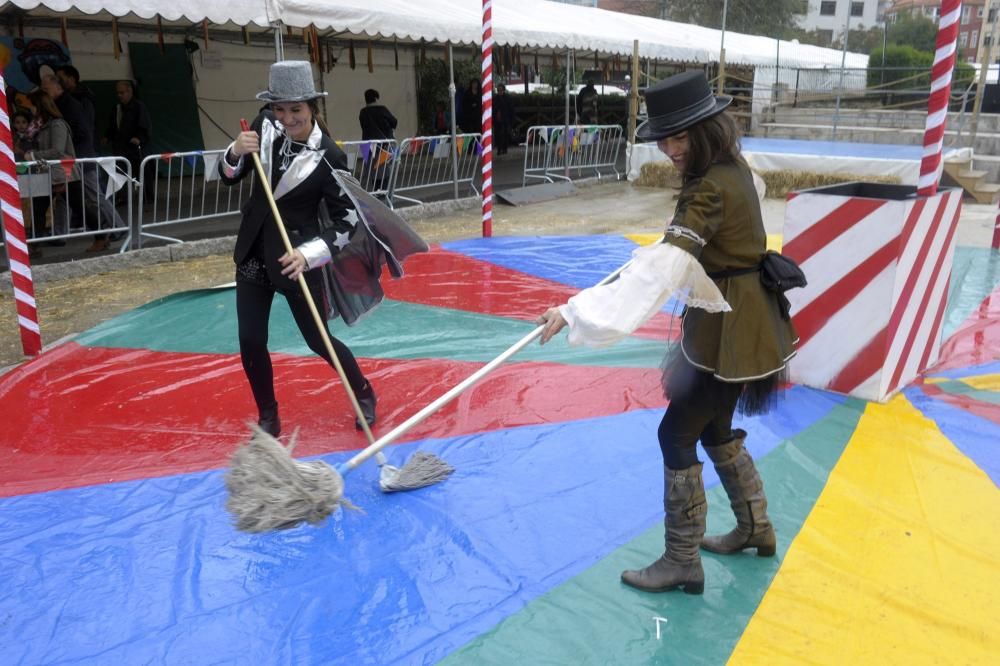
x=976 y=437
x=151 y=571
x=972 y=371
x=832 y=148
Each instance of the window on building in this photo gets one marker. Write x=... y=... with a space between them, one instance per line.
x=963 y=39
x=825 y=36
x=974 y=37
x=827 y=8
x=857 y=9
x=987 y=41
x=966 y=13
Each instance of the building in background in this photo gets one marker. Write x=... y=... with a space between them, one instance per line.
x=829 y=17
x=970 y=24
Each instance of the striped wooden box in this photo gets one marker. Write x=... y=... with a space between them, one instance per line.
x=878 y=260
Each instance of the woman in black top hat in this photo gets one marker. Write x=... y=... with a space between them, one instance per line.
x=299 y=156
x=730 y=357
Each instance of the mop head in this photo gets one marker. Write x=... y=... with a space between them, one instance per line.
x=270 y=490
x=423 y=469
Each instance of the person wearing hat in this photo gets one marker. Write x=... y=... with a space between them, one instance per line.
x=730 y=356
x=299 y=156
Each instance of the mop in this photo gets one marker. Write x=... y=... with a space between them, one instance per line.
x=270 y=490
x=256 y=464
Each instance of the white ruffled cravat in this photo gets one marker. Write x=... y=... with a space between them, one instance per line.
x=601 y=316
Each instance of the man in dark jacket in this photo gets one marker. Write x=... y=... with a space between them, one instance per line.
x=69 y=78
x=129 y=128
x=376 y=120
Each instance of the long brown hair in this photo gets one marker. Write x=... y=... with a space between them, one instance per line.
x=712 y=141
x=44 y=105
x=313 y=105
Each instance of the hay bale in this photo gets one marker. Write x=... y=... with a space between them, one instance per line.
x=779 y=183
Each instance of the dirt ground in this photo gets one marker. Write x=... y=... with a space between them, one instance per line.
x=68 y=307
x=72 y=306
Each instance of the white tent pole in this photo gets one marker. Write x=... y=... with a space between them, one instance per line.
x=454 y=131
x=566 y=141
x=279 y=44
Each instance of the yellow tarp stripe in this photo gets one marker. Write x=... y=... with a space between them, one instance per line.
x=896 y=564
x=983 y=382
x=773 y=240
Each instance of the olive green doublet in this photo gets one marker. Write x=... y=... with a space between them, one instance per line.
x=718 y=220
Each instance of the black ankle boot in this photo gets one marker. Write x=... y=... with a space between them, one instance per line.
x=269 y=421
x=366 y=400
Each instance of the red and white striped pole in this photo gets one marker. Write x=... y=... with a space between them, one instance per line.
x=487 y=118
x=14 y=236
x=937 y=105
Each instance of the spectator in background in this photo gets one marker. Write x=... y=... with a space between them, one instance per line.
x=129 y=129
x=470 y=115
x=586 y=104
x=442 y=119
x=376 y=121
x=53 y=143
x=98 y=212
x=503 y=119
x=69 y=78
x=24 y=133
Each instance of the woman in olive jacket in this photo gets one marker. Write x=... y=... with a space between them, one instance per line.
x=733 y=352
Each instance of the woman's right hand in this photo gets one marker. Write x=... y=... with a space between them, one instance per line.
x=553 y=322
x=246 y=142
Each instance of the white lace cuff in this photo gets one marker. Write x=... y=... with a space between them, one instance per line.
x=231 y=170
x=601 y=316
x=316 y=252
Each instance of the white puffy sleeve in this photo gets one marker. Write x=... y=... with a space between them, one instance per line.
x=601 y=316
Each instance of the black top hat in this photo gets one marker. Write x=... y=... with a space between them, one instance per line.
x=290 y=81
x=678 y=102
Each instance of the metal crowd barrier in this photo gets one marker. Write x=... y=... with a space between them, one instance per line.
x=591 y=147
x=426 y=161
x=371 y=163
x=185 y=187
x=80 y=202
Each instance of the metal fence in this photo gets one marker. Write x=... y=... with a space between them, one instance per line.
x=424 y=162
x=371 y=162
x=72 y=198
x=180 y=188
x=590 y=148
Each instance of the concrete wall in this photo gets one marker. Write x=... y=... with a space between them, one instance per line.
x=227 y=80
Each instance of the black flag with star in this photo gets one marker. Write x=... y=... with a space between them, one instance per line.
x=351 y=281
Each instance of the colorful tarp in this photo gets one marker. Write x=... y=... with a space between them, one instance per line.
x=116 y=548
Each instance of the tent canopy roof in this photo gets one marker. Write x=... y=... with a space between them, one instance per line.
x=515 y=22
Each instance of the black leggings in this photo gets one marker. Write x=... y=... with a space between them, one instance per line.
x=703 y=410
x=253 y=310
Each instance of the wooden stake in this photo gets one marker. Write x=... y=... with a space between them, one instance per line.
x=116 y=45
x=159 y=33
x=62 y=32
x=371 y=62
x=350 y=53
x=395 y=53
x=204 y=32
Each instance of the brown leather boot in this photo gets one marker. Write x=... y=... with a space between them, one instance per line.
x=680 y=564
x=746 y=495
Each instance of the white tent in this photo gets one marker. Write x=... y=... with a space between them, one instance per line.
x=538 y=23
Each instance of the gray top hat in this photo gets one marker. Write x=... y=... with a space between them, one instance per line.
x=290 y=81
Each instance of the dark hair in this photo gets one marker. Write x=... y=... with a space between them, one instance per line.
x=44 y=105
x=129 y=82
x=70 y=71
x=22 y=114
x=712 y=141
x=371 y=96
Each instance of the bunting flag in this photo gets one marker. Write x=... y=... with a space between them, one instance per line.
x=371 y=58
x=62 y=32
x=350 y=53
x=442 y=149
x=366 y=151
x=116 y=179
x=159 y=33
x=211 y=164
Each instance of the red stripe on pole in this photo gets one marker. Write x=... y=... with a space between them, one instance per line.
x=828 y=228
x=937 y=104
x=813 y=317
x=14 y=236
x=487 y=118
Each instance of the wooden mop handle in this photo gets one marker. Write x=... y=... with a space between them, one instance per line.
x=308 y=295
x=402 y=428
